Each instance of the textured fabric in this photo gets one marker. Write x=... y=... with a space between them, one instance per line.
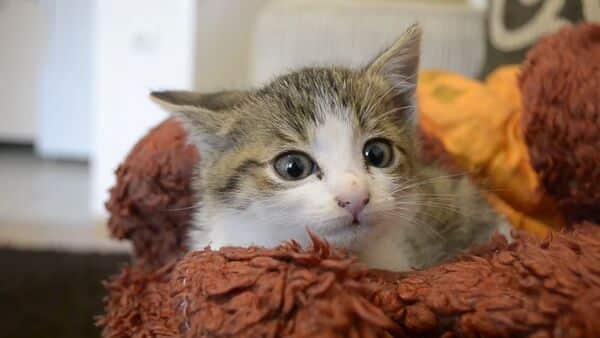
x=531 y=288
x=561 y=98
x=299 y=33
x=152 y=201
x=479 y=125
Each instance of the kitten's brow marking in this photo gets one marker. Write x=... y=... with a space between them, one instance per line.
x=233 y=182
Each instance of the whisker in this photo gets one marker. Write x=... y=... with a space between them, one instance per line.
x=426 y=181
x=416 y=222
x=396 y=109
x=378 y=101
x=191 y=207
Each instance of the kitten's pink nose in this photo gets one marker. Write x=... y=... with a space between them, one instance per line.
x=353 y=205
x=354 y=196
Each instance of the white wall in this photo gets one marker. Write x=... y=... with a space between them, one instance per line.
x=22 y=27
x=139 y=46
x=65 y=111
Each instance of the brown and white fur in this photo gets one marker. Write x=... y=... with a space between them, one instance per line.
x=397 y=217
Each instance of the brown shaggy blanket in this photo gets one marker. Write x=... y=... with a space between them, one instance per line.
x=532 y=287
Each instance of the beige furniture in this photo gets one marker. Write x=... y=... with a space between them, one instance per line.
x=297 y=33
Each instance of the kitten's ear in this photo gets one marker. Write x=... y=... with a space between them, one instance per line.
x=399 y=64
x=202 y=115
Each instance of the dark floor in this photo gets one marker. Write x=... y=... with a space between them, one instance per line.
x=52 y=294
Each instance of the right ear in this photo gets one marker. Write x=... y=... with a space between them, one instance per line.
x=203 y=116
x=399 y=64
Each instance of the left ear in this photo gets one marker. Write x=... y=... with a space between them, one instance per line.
x=207 y=118
x=399 y=64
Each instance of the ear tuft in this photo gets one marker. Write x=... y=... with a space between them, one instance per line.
x=399 y=64
x=212 y=101
x=162 y=96
x=173 y=101
x=202 y=115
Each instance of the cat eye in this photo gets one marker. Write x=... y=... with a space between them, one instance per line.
x=294 y=166
x=378 y=153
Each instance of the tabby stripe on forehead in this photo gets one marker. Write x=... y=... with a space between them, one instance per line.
x=233 y=182
x=283 y=137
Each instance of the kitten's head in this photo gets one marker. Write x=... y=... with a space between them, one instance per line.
x=320 y=148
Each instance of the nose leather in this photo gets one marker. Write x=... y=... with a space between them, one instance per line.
x=354 y=208
x=352 y=194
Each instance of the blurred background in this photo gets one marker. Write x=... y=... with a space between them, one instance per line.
x=74 y=82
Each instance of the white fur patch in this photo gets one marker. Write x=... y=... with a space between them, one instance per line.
x=386 y=224
x=336 y=147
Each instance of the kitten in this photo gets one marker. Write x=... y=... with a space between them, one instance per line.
x=332 y=149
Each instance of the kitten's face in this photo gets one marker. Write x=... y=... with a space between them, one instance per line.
x=319 y=148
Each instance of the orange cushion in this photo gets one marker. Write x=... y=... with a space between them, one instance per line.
x=479 y=125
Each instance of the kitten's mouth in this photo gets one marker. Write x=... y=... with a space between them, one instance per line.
x=349 y=224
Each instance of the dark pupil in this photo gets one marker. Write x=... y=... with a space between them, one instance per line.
x=295 y=167
x=375 y=155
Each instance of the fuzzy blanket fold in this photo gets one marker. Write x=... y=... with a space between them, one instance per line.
x=530 y=288
x=537 y=286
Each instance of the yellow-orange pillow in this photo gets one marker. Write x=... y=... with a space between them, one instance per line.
x=479 y=126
